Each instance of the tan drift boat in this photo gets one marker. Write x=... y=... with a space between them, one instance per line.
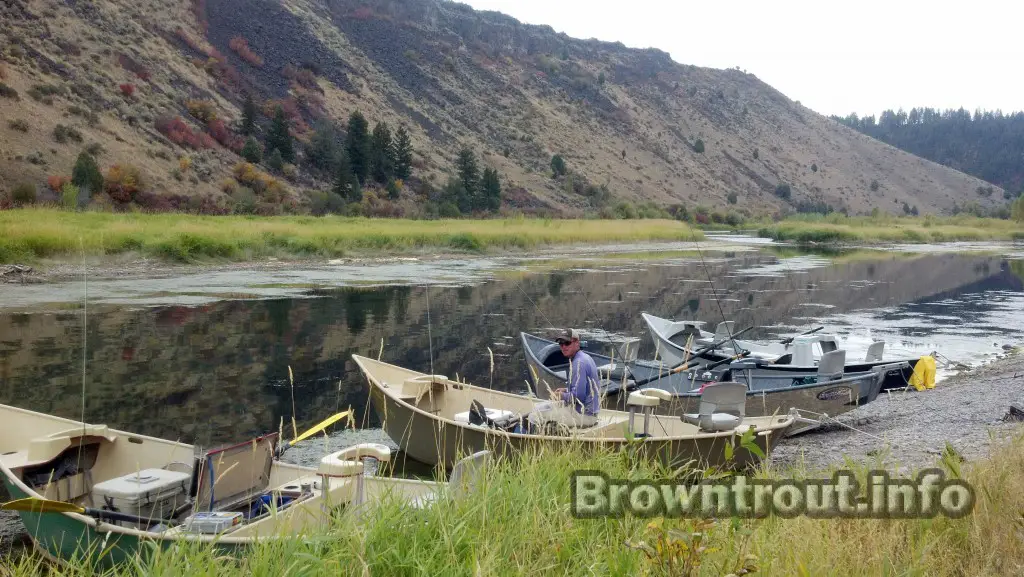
x=96 y=494
x=438 y=420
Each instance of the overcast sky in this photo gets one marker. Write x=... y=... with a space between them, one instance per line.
x=833 y=57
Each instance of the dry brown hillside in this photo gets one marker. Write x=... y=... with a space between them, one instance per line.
x=114 y=75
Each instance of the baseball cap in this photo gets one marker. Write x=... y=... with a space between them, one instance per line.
x=567 y=335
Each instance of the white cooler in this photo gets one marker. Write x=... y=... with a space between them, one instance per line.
x=497 y=415
x=150 y=493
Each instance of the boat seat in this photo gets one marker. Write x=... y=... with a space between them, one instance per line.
x=722 y=407
x=465 y=477
x=832 y=365
x=47 y=448
x=423 y=386
x=875 y=351
x=349 y=462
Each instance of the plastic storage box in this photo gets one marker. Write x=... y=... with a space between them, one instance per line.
x=499 y=416
x=151 y=494
x=212 y=522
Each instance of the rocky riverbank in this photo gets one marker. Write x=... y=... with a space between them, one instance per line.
x=905 y=430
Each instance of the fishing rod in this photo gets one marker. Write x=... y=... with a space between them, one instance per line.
x=686 y=365
x=791 y=339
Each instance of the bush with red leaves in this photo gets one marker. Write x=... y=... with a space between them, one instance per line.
x=241 y=47
x=127 y=89
x=178 y=132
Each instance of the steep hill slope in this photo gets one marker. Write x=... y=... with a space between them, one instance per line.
x=631 y=124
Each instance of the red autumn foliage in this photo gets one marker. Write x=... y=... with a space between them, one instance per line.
x=241 y=47
x=303 y=77
x=123 y=182
x=127 y=89
x=179 y=132
x=55 y=183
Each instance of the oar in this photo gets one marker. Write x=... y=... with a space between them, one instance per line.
x=316 y=429
x=790 y=339
x=34 y=505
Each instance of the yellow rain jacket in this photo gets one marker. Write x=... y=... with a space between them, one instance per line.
x=924 y=373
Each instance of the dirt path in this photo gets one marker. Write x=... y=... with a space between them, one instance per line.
x=907 y=430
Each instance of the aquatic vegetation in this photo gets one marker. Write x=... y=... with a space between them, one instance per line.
x=39 y=233
x=836 y=228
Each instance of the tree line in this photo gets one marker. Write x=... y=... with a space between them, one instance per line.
x=984 y=144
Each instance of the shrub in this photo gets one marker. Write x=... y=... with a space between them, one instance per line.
x=63 y=133
x=18 y=124
x=874 y=185
x=127 y=89
x=241 y=47
x=783 y=191
x=23 y=193
x=123 y=182
x=202 y=110
x=698 y=146
x=8 y=92
x=178 y=132
x=69 y=196
x=56 y=183
x=732 y=198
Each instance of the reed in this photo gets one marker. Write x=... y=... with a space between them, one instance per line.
x=38 y=233
x=835 y=228
x=518 y=521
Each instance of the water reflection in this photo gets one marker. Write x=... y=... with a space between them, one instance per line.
x=218 y=372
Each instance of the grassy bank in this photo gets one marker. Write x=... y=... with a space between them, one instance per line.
x=519 y=522
x=839 y=228
x=31 y=234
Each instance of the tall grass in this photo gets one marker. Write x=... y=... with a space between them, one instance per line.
x=31 y=234
x=838 y=228
x=518 y=522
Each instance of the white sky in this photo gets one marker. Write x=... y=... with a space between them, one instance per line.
x=833 y=57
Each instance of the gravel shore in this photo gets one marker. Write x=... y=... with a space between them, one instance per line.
x=900 y=430
x=909 y=430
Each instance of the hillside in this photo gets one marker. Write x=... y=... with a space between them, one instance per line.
x=160 y=85
x=985 y=144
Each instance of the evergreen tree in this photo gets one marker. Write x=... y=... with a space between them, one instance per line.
x=279 y=137
x=357 y=145
x=557 y=165
x=469 y=177
x=86 y=174
x=490 y=190
x=346 y=185
x=275 y=161
x=382 y=161
x=403 y=153
x=251 y=151
x=322 y=151
x=249 y=113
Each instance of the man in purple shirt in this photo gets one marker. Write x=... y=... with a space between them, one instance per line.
x=581 y=399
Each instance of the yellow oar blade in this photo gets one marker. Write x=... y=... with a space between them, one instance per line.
x=41 y=506
x=320 y=426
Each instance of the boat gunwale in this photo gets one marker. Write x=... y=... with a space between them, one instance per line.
x=789 y=419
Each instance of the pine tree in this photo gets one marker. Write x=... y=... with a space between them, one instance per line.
x=249 y=113
x=403 y=153
x=557 y=165
x=251 y=151
x=322 y=151
x=86 y=174
x=381 y=159
x=357 y=145
x=469 y=177
x=346 y=185
x=279 y=137
x=275 y=161
x=490 y=190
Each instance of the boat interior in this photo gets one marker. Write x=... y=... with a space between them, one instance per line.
x=175 y=488
x=473 y=406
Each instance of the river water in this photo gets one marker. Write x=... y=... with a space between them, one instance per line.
x=205 y=358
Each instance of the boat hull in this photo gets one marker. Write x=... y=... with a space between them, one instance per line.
x=438 y=441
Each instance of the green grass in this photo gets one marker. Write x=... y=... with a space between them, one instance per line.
x=519 y=522
x=836 y=228
x=28 y=235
